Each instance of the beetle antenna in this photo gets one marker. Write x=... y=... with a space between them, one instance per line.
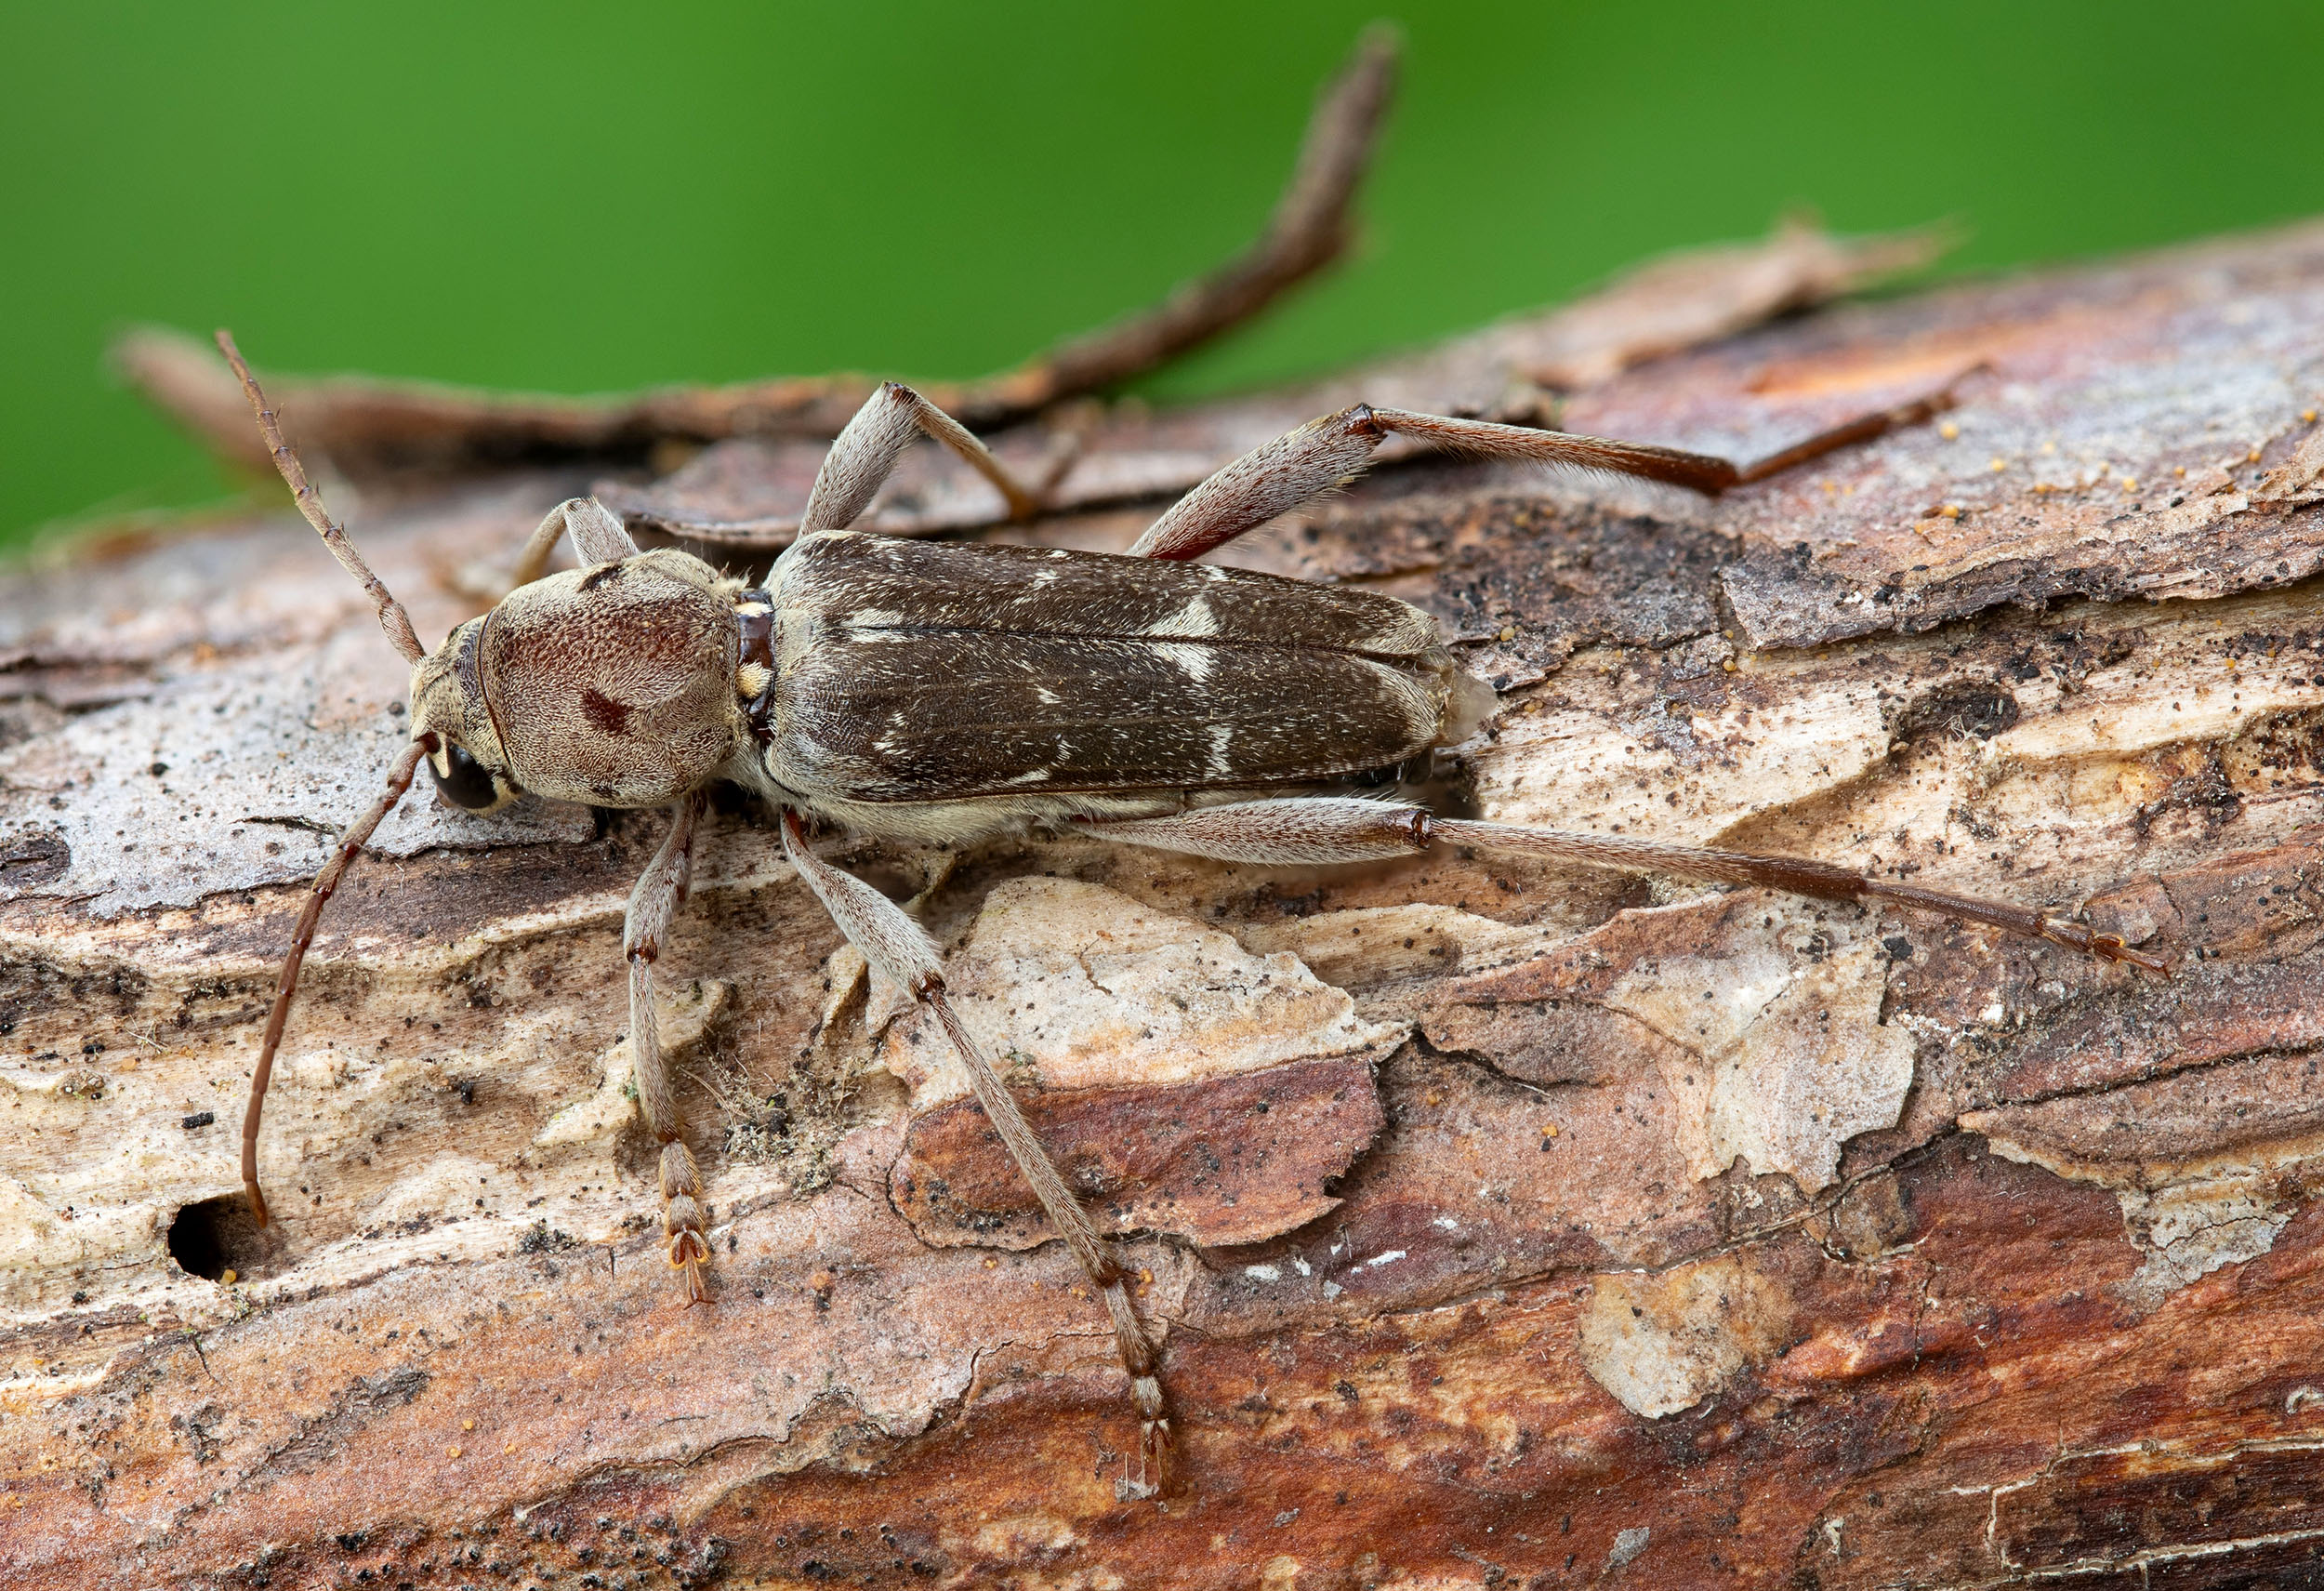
x=286 y=984
x=392 y=618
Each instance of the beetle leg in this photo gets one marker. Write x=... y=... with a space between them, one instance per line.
x=1324 y=829
x=599 y=536
x=891 y=941
x=660 y=891
x=859 y=462
x=1300 y=465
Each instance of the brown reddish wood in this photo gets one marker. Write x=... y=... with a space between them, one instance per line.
x=1704 y=1239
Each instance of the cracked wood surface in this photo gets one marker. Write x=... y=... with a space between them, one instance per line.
x=1507 y=1224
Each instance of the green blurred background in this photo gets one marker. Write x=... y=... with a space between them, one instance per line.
x=590 y=196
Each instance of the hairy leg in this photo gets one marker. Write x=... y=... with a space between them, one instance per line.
x=599 y=536
x=660 y=891
x=1300 y=465
x=861 y=460
x=893 y=942
x=1340 y=828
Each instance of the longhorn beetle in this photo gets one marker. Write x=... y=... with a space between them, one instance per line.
x=921 y=691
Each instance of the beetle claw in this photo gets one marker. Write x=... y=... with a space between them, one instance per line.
x=687 y=1253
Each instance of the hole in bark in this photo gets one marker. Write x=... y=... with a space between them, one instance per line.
x=216 y=1236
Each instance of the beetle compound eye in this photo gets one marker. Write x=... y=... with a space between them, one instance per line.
x=467 y=784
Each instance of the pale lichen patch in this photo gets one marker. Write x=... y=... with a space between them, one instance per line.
x=1780 y=1054
x=1663 y=1342
x=1588 y=765
x=599 y=1116
x=1088 y=987
x=2186 y=1220
x=2190 y=1230
x=1364 y=947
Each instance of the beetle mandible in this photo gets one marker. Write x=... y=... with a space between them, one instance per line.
x=922 y=691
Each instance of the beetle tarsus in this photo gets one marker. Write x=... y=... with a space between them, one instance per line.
x=683 y=1218
x=688 y=1254
x=2105 y=946
x=1156 y=1444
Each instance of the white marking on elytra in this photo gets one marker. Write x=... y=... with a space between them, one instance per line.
x=1221 y=737
x=1195 y=622
x=1216 y=572
x=1046 y=696
x=1037 y=776
x=873 y=619
x=1046 y=576
x=1194 y=661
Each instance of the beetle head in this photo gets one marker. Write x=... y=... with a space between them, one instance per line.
x=470 y=764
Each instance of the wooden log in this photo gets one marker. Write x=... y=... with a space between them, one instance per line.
x=1507 y=1224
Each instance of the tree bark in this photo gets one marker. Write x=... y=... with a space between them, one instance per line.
x=1505 y=1224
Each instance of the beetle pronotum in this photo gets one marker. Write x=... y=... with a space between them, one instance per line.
x=921 y=691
